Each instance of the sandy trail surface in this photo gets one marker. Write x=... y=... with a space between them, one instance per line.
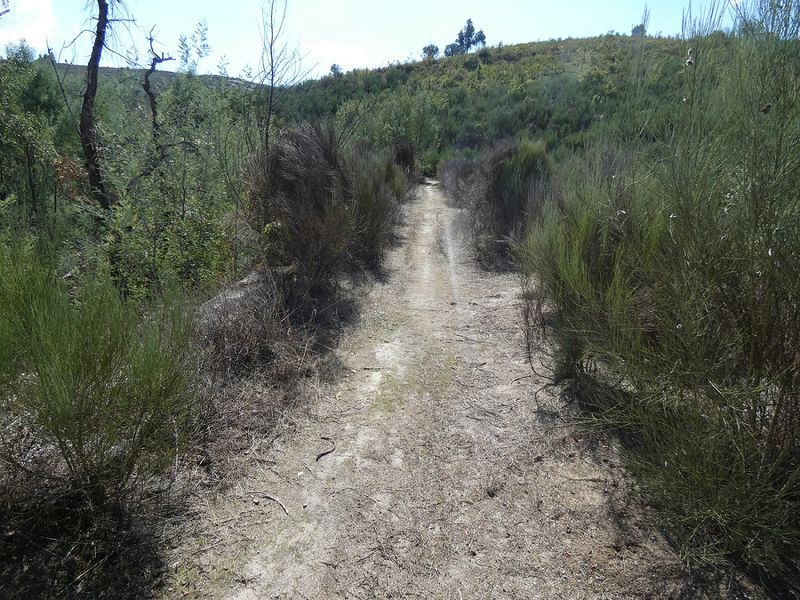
x=449 y=479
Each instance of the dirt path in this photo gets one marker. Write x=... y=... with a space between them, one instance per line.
x=446 y=482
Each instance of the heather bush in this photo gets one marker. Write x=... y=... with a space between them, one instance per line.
x=324 y=207
x=674 y=283
x=501 y=190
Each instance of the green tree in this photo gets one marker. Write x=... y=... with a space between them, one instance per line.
x=430 y=52
x=466 y=39
x=28 y=96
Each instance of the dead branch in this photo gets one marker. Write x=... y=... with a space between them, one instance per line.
x=327 y=439
x=60 y=82
x=268 y=497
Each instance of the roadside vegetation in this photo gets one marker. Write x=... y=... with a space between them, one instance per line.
x=131 y=363
x=172 y=274
x=654 y=233
x=500 y=191
x=666 y=268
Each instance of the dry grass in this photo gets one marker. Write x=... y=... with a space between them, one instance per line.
x=501 y=191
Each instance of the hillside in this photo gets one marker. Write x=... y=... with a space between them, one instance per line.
x=131 y=76
x=555 y=90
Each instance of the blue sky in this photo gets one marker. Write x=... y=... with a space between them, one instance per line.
x=351 y=33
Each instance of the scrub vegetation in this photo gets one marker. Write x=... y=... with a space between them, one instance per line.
x=665 y=268
x=172 y=241
x=131 y=200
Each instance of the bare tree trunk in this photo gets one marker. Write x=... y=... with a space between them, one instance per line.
x=151 y=95
x=88 y=131
x=159 y=152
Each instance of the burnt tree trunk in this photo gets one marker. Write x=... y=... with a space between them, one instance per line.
x=88 y=132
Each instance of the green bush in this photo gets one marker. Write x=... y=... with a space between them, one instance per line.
x=95 y=397
x=324 y=208
x=378 y=185
x=511 y=174
x=502 y=190
x=676 y=280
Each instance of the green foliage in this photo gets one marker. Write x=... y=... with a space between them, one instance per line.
x=393 y=119
x=676 y=274
x=466 y=39
x=194 y=48
x=170 y=219
x=323 y=208
x=155 y=241
x=556 y=91
x=94 y=396
x=502 y=189
x=379 y=184
x=95 y=355
x=30 y=113
x=430 y=52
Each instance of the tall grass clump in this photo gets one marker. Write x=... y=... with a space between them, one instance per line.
x=324 y=207
x=676 y=285
x=95 y=396
x=379 y=184
x=454 y=174
x=501 y=190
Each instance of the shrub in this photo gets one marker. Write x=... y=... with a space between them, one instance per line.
x=378 y=186
x=502 y=189
x=242 y=331
x=324 y=209
x=677 y=283
x=454 y=174
x=509 y=178
x=299 y=189
x=94 y=396
x=405 y=156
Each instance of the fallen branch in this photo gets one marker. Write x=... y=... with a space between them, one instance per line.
x=273 y=498
x=363 y=558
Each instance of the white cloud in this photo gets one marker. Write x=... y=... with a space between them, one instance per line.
x=32 y=20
